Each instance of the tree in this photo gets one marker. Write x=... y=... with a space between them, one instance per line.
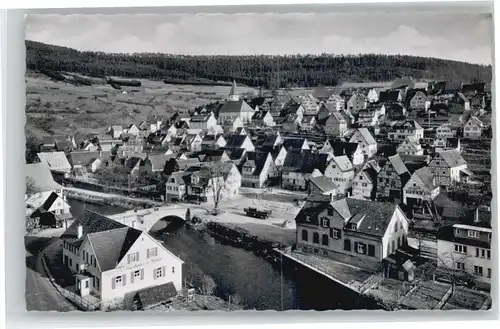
x=221 y=178
x=32 y=147
x=208 y=285
x=451 y=267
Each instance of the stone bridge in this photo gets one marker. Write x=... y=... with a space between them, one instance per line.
x=158 y=218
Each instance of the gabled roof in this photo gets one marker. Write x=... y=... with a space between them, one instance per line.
x=476 y=121
x=452 y=158
x=324 y=184
x=453 y=86
x=337 y=117
x=426 y=177
x=235 y=140
x=201 y=117
x=158 y=161
x=41 y=178
x=155 y=295
x=256 y=160
x=305 y=161
x=55 y=160
x=343 y=163
x=235 y=107
x=293 y=143
x=367 y=136
x=403 y=125
x=343 y=148
x=259 y=115
x=387 y=96
x=398 y=164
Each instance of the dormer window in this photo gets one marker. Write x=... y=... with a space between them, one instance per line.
x=457 y=231
x=353 y=226
x=308 y=218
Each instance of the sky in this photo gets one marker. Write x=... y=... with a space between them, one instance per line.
x=462 y=37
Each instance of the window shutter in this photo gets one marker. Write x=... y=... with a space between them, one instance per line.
x=331 y=232
x=137 y=256
x=327 y=222
x=142 y=274
x=154 y=274
x=132 y=277
x=113 y=282
x=124 y=278
x=128 y=259
x=355 y=247
x=339 y=234
x=163 y=273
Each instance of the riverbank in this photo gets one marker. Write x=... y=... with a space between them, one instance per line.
x=107 y=199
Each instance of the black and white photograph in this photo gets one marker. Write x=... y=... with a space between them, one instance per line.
x=280 y=161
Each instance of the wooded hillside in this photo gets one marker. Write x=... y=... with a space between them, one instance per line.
x=259 y=70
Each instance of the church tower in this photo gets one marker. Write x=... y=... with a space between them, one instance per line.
x=233 y=96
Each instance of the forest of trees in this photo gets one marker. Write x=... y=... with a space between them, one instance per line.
x=258 y=70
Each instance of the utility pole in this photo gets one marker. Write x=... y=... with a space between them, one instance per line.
x=281 y=274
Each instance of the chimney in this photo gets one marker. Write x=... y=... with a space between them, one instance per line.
x=476 y=215
x=79 y=231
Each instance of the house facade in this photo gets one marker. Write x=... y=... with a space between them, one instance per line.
x=356 y=103
x=418 y=101
x=420 y=188
x=392 y=178
x=336 y=101
x=364 y=183
x=258 y=169
x=135 y=261
x=175 y=187
x=336 y=125
x=406 y=128
x=445 y=131
x=363 y=229
x=473 y=128
x=222 y=178
x=205 y=121
x=448 y=167
x=364 y=138
x=341 y=172
x=410 y=146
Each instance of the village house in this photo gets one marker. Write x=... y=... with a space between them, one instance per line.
x=341 y=171
x=175 y=186
x=83 y=162
x=445 y=131
x=449 y=167
x=473 y=128
x=155 y=163
x=443 y=144
x=111 y=260
x=356 y=103
x=368 y=144
x=214 y=180
x=372 y=95
x=364 y=229
x=364 y=183
x=337 y=102
x=192 y=143
x=419 y=101
x=291 y=123
x=310 y=104
x=211 y=155
x=115 y=131
x=390 y=96
x=60 y=143
x=394 y=111
x=452 y=87
x=212 y=142
x=410 y=146
x=203 y=121
x=466 y=247
x=279 y=156
x=234 y=141
x=308 y=122
x=403 y=83
x=233 y=109
x=322 y=185
x=336 y=125
x=44 y=198
x=402 y=129
x=263 y=119
x=295 y=143
x=133 y=130
x=339 y=148
x=367 y=118
x=323 y=115
x=392 y=178
x=174 y=165
x=57 y=161
x=299 y=165
x=420 y=190
x=258 y=169
x=415 y=162
x=267 y=140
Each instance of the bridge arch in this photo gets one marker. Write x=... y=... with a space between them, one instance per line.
x=168 y=223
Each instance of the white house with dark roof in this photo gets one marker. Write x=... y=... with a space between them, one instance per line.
x=364 y=183
x=366 y=230
x=364 y=138
x=234 y=141
x=322 y=185
x=112 y=260
x=175 y=186
x=336 y=125
x=449 y=167
x=357 y=102
x=419 y=101
x=337 y=102
x=258 y=168
x=155 y=163
x=473 y=128
x=263 y=118
x=445 y=131
x=235 y=108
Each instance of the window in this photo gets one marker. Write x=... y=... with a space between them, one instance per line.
x=325 y=222
x=460 y=266
x=97 y=283
x=477 y=252
x=488 y=254
x=353 y=226
x=118 y=280
x=158 y=273
x=153 y=252
x=70 y=262
x=137 y=274
x=489 y=236
x=133 y=257
x=473 y=234
x=371 y=250
x=304 y=235
x=324 y=239
x=87 y=284
x=173 y=269
x=457 y=231
x=361 y=248
x=392 y=246
x=316 y=237
x=325 y=252
x=365 y=184
x=399 y=241
x=478 y=270
x=330 y=211
x=461 y=249
x=489 y=273
x=347 y=245
x=483 y=253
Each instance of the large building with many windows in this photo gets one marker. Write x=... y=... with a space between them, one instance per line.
x=466 y=247
x=363 y=229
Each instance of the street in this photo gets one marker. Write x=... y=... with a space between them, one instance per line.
x=40 y=293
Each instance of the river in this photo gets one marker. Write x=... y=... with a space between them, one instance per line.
x=237 y=272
